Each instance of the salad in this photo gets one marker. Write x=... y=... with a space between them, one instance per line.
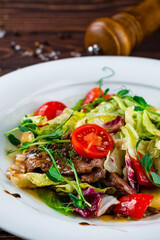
x=92 y=159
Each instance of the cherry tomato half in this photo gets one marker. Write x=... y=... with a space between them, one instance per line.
x=92 y=141
x=50 y=109
x=140 y=172
x=134 y=205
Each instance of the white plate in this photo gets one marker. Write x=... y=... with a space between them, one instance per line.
x=67 y=80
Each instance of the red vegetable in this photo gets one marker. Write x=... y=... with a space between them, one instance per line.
x=134 y=205
x=140 y=172
x=50 y=109
x=92 y=141
x=94 y=199
x=92 y=95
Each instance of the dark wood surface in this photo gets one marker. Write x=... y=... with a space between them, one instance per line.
x=55 y=27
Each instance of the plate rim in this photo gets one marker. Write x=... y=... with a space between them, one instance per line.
x=63 y=60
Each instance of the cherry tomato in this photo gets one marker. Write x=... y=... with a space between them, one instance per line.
x=92 y=95
x=50 y=109
x=134 y=205
x=92 y=141
x=108 y=96
x=140 y=172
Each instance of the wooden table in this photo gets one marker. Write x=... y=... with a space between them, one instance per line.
x=43 y=30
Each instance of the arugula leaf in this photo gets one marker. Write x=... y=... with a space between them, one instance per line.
x=15 y=141
x=122 y=92
x=77 y=107
x=147 y=162
x=156 y=178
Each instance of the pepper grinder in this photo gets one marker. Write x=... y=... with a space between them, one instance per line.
x=124 y=31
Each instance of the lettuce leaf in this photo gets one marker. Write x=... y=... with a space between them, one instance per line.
x=70 y=124
x=53 y=200
x=120 y=103
x=115 y=161
x=154 y=149
x=131 y=138
x=150 y=127
x=31 y=180
x=129 y=116
x=64 y=189
x=38 y=120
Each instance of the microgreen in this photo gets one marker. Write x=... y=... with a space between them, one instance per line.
x=105 y=92
x=137 y=108
x=122 y=92
x=156 y=178
x=25 y=126
x=138 y=142
x=77 y=107
x=140 y=101
x=97 y=101
x=142 y=104
x=41 y=139
x=55 y=175
x=147 y=163
x=15 y=141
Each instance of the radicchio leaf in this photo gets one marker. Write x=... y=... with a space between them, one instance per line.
x=131 y=173
x=100 y=203
x=94 y=199
x=111 y=126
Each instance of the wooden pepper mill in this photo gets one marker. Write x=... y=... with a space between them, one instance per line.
x=124 y=31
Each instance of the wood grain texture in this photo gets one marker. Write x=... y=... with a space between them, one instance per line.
x=60 y=26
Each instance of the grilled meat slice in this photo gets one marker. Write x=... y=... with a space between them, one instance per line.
x=94 y=176
x=121 y=186
x=91 y=170
x=37 y=161
x=151 y=211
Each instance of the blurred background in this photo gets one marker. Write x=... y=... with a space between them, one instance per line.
x=43 y=30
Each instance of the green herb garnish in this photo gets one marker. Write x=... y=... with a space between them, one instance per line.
x=77 y=107
x=40 y=139
x=55 y=175
x=15 y=141
x=122 y=92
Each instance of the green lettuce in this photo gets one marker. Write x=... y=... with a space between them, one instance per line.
x=120 y=103
x=131 y=138
x=150 y=127
x=50 y=198
x=63 y=189
x=38 y=120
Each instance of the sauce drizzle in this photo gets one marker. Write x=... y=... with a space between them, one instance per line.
x=16 y=195
x=84 y=223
